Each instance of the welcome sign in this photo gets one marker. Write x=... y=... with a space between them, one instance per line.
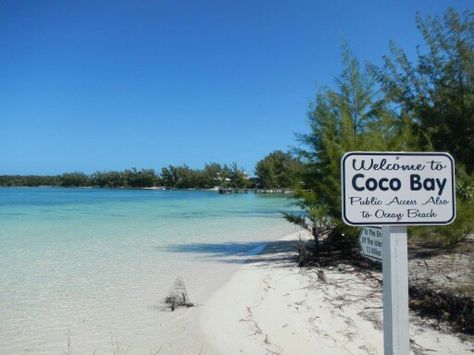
x=396 y=188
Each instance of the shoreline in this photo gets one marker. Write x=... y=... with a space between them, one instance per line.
x=270 y=305
x=260 y=191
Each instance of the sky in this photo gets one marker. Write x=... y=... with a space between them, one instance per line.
x=108 y=85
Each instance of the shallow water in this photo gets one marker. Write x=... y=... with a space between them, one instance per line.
x=92 y=266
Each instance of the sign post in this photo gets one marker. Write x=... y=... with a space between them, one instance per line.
x=394 y=190
x=395 y=291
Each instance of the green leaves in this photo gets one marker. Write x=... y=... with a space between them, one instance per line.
x=437 y=90
x=278 y=170
x=421 y=105
x=353 y=116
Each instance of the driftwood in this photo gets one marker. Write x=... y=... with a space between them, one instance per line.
x=178 y=296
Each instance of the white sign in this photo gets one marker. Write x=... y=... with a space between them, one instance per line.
x=396 y=188
x=370 y=240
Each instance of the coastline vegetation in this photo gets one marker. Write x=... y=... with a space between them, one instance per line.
x=403 y=105
x=277 y=170
x=421 y=105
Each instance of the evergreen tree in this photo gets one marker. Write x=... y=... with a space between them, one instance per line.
x=238 y=177
x=438 y=89
x=211 y=175
x=278 y=170
x=352 y=117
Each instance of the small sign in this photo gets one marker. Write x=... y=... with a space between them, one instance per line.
x=396 y=188
x=370 y=240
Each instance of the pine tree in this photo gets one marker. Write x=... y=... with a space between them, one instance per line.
x=353 y=117
x=438 y=89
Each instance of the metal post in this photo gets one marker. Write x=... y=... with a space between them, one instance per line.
x=395 y=291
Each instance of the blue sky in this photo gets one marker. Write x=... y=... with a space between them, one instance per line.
x=101 y=85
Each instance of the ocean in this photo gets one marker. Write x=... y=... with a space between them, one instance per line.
x=85 y=271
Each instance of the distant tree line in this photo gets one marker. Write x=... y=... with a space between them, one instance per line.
x=277 y=170
x=126 y=178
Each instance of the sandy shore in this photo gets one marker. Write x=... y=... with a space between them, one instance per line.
x=270 y=306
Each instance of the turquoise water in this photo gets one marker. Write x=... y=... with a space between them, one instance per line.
x=91 y=264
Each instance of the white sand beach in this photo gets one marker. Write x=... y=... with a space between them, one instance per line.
x=271 y=306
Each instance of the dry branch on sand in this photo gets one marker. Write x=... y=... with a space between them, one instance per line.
x=178 y=296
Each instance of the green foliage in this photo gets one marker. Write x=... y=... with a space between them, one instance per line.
x=74 y=179
x=462 y=226
x=213 y=174
x=108 y=179
x=348 y=118
x=437 y=92
x=210 y=175
x=399 y=107
x=140 y=178
x=237 y=176
x=179 y=177
x=278 y=170
x=314 y=219
x=167 y=177
x=438 y=89
x=28 y=180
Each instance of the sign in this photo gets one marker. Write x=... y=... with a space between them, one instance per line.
x=397 y=188
x=370 y=240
